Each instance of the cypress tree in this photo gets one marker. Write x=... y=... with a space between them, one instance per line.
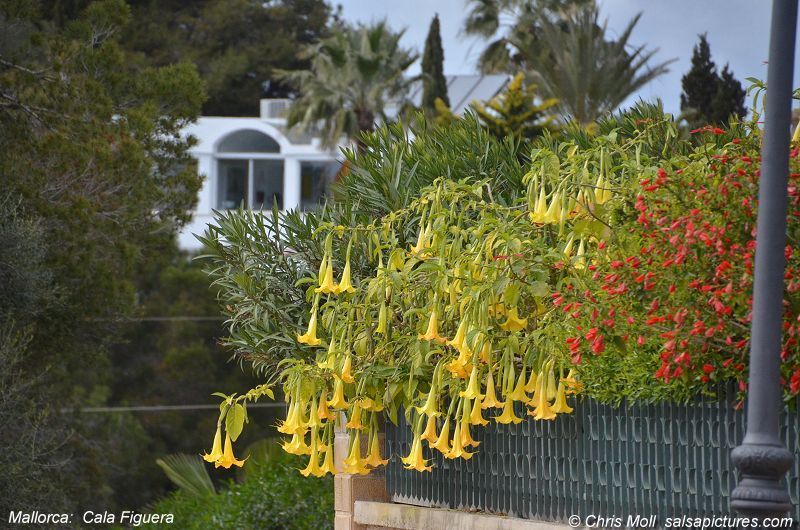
x=699 y=85
x=434 y=84
x=729 y=99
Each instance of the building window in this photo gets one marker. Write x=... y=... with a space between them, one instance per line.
x=249 y=172
x=315 y=179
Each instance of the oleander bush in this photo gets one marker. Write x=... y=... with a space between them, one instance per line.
x=456 y=275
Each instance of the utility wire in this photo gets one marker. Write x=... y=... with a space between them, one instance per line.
x=166 y=408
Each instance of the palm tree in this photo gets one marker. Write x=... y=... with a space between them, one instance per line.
x=564 y=49
x=353 y=75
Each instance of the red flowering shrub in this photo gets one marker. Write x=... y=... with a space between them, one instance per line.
x=667 y=299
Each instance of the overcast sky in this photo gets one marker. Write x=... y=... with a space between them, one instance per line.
x=738 y=33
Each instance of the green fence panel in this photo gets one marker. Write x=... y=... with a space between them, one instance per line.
x=664 y=459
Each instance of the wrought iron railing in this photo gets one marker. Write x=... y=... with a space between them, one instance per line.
x=666 y=460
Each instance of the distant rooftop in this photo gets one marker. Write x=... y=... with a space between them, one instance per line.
x=464 y=89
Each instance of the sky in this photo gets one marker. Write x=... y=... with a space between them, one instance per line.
x=738 y=34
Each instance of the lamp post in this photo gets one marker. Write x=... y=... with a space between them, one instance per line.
x=762 y=459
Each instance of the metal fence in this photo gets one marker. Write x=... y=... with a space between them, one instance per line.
x=667 y=460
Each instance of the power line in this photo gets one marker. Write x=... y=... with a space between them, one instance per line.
x=166 y=408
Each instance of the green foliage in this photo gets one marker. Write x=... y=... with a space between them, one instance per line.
x=354 y=74
x=709 y=98
x=273 y=496
x=434 y=84
x=188 y=473
x=92 y=155
x=516 y=113
x=569 y=55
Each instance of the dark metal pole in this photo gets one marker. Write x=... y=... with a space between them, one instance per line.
x=762 y=459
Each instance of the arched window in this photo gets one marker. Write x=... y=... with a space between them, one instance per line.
x=248 y=141
x=250 y=171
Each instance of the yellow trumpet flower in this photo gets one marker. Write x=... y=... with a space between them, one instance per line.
x=323 y=412
x=560 y=406
x=429 y=435
x=346 y=285
x=381 y=319
x=580 y=257
x=513 y=321
x=457 y=450
x=432 y=333
x=476 y=416
x=370 y=404
x=338 y=402
x=539 y=212
x=414 y=459
x=328 y=286
x=568 y=246
x=297 y=445
x=466 y=437
x=216 y=447
x=491 y=396
x=573 y=385
x=429 y=408
x=518 y=393
x=355 y=419
x=581 y=205
x=508 y=415
x=551 y=383
x=293 y=421
x=354 y=464
x=347 y=376
x=313 y=467
x=227 y=459
x=473 y=387
x=374 y=456
x=327 y=464
x=459 y=341
x=310 y=336
x=442 y=443
x=542 y=410
x=553 y=213
x=601 y=193
x=530 y=386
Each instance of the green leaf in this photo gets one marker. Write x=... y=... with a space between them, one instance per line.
x=234 y=421
x=539 y=288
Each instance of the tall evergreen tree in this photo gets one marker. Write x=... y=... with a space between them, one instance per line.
x=709 y=97
x=434 y=84
x=729 y=98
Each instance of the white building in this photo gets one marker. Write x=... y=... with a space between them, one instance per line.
x=255 y=161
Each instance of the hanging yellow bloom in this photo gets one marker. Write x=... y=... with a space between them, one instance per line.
x=539 y=212
x=560 y=406
x=297 y=445
x=430 y=408
x=518 y=393
x=530 y=386
x=429 y=435
x=551 y=383
x=338 y=402
x=601 y=193
x=457 y=450
x=216 y=447
x=573 y=385
x=372 y=405
x=327 y=464
x=414 y=459
x=328 y=286
x=346 y=286
x=313 y=467
x=473 y=387
x=432 y=333
x=310 y=336
x=459 y=341
x=381 y=319
x=476 y=416
x=542 y=410
x=491 y=397
x=553 y=213
x=568 y=246
x=347 y=376
x=323 y=412
x=513 y=321
x=442 y=443
x=580 y=257
x=354 y=464
x=355 y=419
x=227 y=460
x=466 y=437
x=508 y=415
x=374 y=457
x=581 y=205
x=294 y=419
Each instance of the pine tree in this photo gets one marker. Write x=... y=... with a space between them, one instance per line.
x=515 y=113
x=699 y=85
x=434 y=84
x=729 y=99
